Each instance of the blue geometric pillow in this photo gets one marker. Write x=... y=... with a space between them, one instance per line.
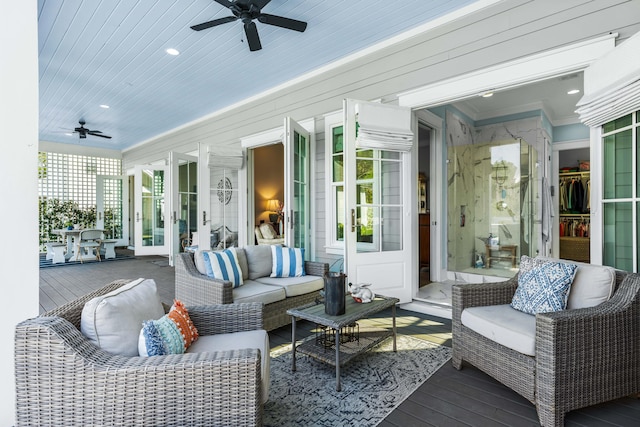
x=287 y=262
x=545 y=288
x=224 y=265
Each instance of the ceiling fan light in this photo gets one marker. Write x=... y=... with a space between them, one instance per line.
x=105 y=106
x=172 y=51
x=573 y=91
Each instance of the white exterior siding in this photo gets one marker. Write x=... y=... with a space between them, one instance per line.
x=503 y=32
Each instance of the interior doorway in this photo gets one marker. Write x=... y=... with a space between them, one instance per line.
x=268 y=186
x=424 y=208
x=571 y=197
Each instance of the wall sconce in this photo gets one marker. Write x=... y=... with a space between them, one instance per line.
x=275 y=206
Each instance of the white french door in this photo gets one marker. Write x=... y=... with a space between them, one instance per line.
x=152 y=225
x=184 y=200
x=296 y=185
x=112 y=207
x=379 y=209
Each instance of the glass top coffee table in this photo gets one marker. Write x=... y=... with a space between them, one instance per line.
x=345 y=350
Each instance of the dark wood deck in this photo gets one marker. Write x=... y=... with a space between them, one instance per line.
x=449 y=398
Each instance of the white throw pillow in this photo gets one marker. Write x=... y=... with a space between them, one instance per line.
x=593 y=284
x=113 y=321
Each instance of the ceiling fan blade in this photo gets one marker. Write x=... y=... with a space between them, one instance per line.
x=281 y=21
x=213 y=23
x=97 y=133
x=253 y=39
x=225 y=3
x=261 y=3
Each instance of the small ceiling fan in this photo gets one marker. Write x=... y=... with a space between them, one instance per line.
x=247 y=11
x=83 y=131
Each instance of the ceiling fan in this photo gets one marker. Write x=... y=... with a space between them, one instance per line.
x=83 y=131
x=247 y=11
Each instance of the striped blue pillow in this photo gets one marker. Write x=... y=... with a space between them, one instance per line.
x=287 y=262
x=224 y=265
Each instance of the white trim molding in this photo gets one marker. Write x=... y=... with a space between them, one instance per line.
x=530 y=69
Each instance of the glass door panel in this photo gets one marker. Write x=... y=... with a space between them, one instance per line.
x=224 y=196
x=378 y=201
x=296 y=194
x=618 y=241
x=112 y=195
x=184 y=210
x=151 y=227
x=617 y=156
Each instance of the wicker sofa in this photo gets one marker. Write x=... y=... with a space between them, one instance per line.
x=62 y=379
x=193 y=287
x=582 y=356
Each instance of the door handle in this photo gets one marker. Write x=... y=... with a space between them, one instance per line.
x=291 y=219
x=353 y=220
x=204 y=217
x=175 y=217
x=99 y=216
x=137 y=216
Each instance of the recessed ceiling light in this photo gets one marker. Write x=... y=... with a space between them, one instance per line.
x=172 y=51
x=105 y=106
x=573 y=91
x=487 y=94
x=69 y=134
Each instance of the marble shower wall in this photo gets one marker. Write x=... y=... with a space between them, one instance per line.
x=473 y=195
x=461 y=189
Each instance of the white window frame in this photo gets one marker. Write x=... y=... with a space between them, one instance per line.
x=332 y=244
x=634 y=199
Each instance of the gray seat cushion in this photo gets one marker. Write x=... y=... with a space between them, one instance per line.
x=253 y=291
x=237 y=341
x=295 y=286
x=504 y=325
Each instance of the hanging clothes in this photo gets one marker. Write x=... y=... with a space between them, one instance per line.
x=574 y=195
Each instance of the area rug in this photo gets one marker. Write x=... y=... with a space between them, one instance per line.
x=373 y=384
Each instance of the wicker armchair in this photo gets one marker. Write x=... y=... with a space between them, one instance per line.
x=64 y=380
x=582 y=357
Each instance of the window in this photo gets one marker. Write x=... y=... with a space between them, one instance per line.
x=379 y=195
x=334 y=149
x=378 y=200
x=621 y=192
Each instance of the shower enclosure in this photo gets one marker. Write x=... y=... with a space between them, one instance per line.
x=492 y=194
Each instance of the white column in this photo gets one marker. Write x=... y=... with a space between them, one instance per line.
x=19 y=189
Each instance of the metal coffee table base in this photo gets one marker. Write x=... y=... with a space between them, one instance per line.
x=346 y=351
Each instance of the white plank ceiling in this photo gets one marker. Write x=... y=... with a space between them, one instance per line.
x=112 y=52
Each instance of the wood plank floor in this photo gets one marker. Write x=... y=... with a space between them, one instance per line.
x=449 y=398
